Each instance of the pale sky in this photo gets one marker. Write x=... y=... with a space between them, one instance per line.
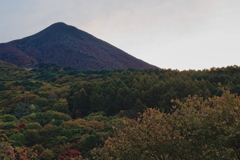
x=176 y=34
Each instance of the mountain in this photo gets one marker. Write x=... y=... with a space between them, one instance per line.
x=68 y=46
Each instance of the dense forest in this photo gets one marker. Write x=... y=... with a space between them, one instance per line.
x=51 y=112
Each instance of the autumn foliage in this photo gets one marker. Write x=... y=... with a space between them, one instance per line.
x=20 y=126
x=72 y=153
x=197 y=129
x=48 y=111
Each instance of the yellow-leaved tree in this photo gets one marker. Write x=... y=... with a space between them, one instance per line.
x=196 y=129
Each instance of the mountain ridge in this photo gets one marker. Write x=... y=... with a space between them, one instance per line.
x=68 y=46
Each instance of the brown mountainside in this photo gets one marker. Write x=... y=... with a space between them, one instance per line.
x=68 y=46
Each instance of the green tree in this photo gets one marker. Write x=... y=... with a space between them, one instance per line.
x=60 y=107
x=32 y=136
x=18 y=139
x=33 y=125
x=8 y=118
x=139 y=106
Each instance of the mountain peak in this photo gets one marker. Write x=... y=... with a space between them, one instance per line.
x=68 y=46
x=61 y=27
x=59 y=23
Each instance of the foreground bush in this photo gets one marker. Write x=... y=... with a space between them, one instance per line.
x=196 y=129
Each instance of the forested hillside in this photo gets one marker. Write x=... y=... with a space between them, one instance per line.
x=51 y=112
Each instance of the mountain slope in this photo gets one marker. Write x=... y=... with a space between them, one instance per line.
x=68 y=46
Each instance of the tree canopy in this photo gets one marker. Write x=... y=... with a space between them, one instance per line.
x=61 y=111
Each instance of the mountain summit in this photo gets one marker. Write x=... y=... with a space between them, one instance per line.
x=68 y=46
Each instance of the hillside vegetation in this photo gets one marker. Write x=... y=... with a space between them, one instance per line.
x=61 y=113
